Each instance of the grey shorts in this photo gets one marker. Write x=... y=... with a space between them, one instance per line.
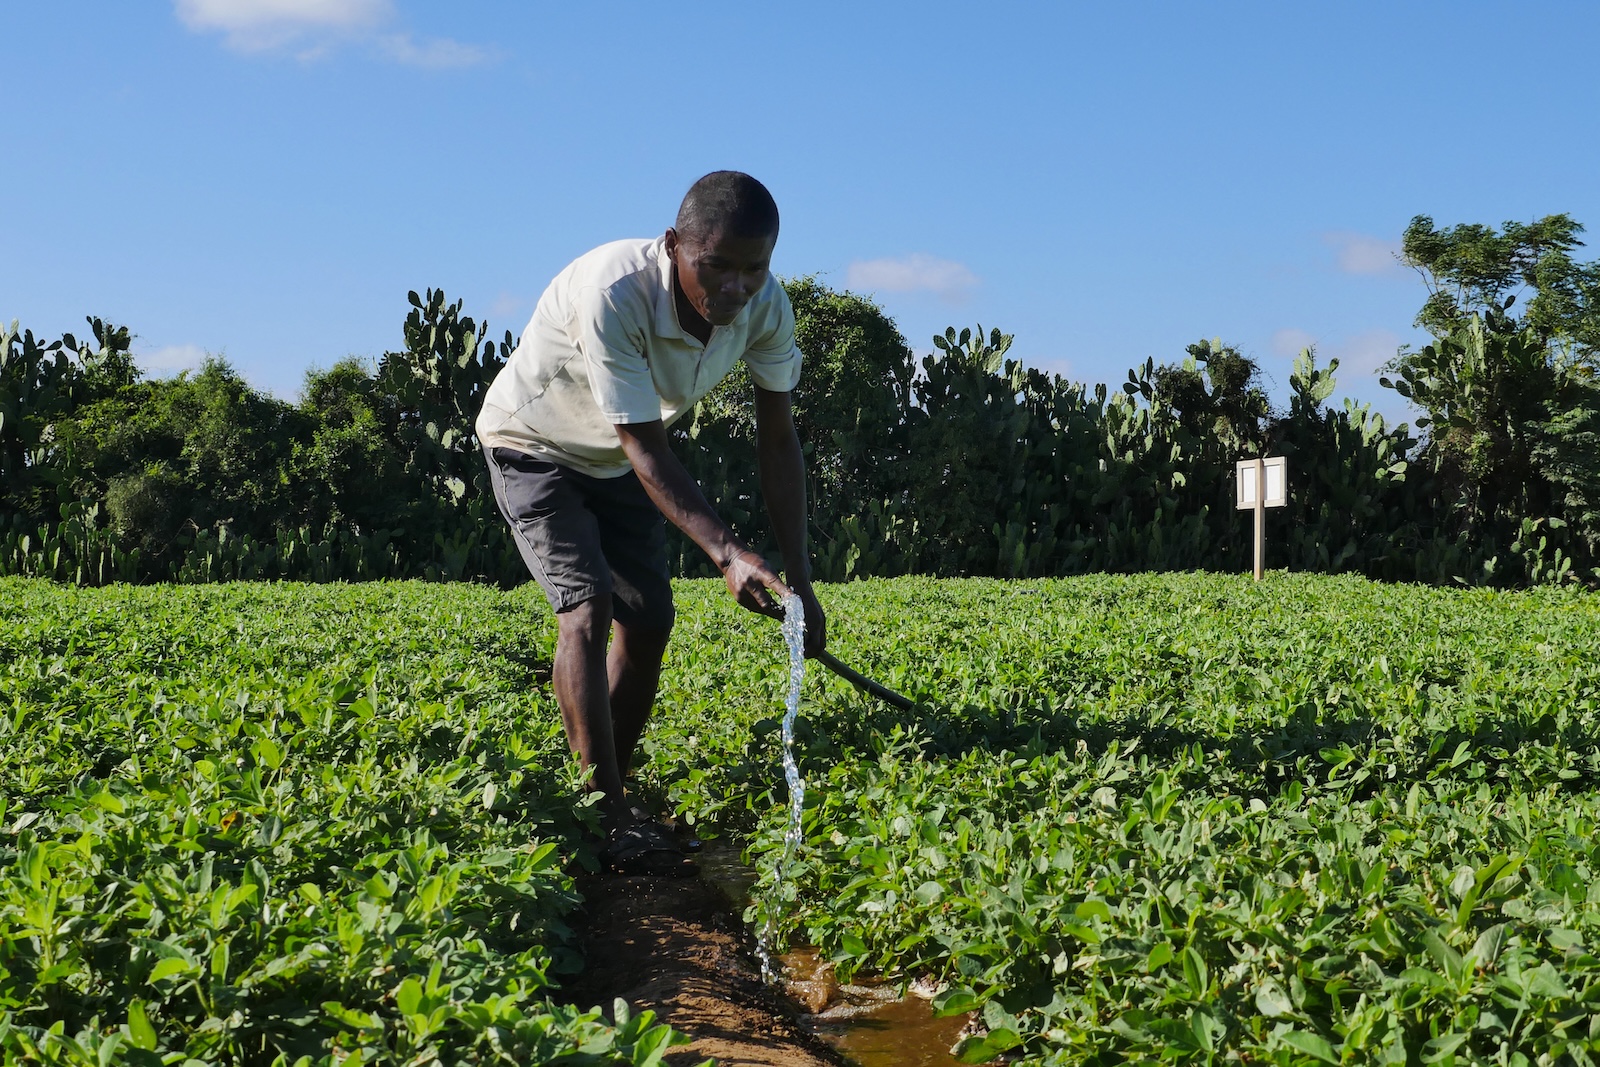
x=583 y=537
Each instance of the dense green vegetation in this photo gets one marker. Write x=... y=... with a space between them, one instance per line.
x=375 y=472
x=963 y=462
x=1190 y=818
x=246 y=822
x=1184 y=817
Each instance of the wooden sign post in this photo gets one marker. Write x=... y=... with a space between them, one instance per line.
x=1260 y=484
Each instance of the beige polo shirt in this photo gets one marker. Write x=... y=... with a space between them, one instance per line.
x=604 y=347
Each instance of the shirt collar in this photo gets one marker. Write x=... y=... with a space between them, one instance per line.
x=666 y=308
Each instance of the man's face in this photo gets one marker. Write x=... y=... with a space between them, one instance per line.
x=719 y=274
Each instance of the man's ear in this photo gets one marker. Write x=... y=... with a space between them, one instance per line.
x=671 y=238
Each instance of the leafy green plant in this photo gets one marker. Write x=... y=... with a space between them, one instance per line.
x=257 y=824
x=1179 y=817
x=1187 y=818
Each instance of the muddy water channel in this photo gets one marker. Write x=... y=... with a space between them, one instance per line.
x=871 y=1024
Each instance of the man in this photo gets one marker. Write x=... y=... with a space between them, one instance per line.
x=624 y=342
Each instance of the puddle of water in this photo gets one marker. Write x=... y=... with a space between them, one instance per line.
x=899 y=1033
x=868 y=1023
x=871 y=1024
x=722 y=864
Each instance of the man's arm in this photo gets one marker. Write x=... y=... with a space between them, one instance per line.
x=783 y=487
x=752 y=582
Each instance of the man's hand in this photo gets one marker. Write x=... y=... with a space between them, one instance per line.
x=755 y=585
x=816 y=621
x=783 y=485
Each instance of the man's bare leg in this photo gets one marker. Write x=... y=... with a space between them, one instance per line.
x=583 y=693
x=634 y=670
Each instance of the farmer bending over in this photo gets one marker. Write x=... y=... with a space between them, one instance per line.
x=623 y=343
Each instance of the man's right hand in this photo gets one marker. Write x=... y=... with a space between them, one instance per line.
x=755 y=585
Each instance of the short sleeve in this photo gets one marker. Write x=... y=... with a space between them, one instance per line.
x=772 y=355
x=610 y=337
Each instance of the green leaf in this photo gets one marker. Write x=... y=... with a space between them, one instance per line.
x=408 y=997
x=1486 y=950
x=989 y=1046
x=110 y=803
x=219 y=960
x=1206 y=1029
x=170 y=967
x=652 y=1046
x=957 y=1000
x=1093 y=909
x=358 y=1020
x=1195 y=973
x=1442 y=1048
x=268 y=752
x=1160 y=955
x=1272 y=1001
x=1448 y=959
x=140 y=1031
x=1311 y=1044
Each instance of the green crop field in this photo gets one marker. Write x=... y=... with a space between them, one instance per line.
x=1182 y=817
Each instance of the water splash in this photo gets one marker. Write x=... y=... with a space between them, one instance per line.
x=794 y=635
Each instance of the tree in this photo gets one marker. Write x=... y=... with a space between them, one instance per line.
x=176 y=455
x=1471 y=268
x=1232 y=409
x=1510 y=401
x=41 y=387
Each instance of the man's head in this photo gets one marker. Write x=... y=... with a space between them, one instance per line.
x=722 y=243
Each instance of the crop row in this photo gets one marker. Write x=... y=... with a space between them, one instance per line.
x=1191 y=819
x=1179 y=817
x=266 y=824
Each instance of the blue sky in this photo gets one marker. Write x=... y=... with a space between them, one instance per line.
x=266 y=179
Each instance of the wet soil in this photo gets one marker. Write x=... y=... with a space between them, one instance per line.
x=672 y=945
x=872 y=1024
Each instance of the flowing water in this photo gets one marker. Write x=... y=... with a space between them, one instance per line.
x=794 y=635
x=871 y=1024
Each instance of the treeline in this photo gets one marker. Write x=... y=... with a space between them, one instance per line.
x=961 y=463
x=374 y=473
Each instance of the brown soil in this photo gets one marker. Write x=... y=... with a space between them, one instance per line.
x=670 y=944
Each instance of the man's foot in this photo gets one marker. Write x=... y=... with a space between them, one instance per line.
x=687 y=839
x=646 y=848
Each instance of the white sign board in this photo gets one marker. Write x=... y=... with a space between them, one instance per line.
x=1274 y=472
x=1260 y=484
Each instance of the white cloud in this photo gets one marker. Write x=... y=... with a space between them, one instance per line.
x=1364 y=353
x=918 y=272
x=508 y=305
x=260 y=25
x=439 y=53
x=1289 y=342
x=171 y=359
x=1360 y=253
x=313 y=28
x=1358 y=353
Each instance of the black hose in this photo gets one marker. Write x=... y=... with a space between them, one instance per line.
x=863 y=683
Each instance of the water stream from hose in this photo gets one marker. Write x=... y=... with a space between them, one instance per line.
x=794 y=635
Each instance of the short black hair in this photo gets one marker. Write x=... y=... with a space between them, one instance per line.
x=729 y=202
